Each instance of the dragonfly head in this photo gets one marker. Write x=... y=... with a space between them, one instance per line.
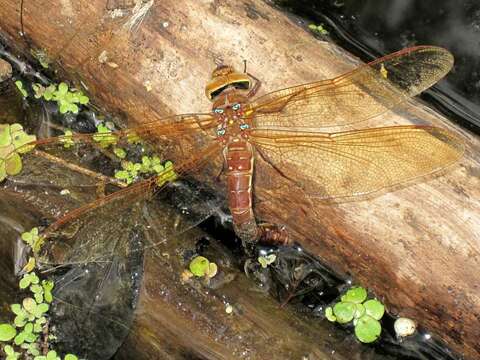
x=225 y=77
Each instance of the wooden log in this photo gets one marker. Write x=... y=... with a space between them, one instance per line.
x=417 y=248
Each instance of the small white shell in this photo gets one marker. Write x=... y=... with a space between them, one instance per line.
x=404 y=327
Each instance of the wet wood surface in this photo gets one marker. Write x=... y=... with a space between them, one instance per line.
x=417 y=248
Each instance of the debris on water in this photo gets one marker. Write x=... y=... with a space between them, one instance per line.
x=404 y=327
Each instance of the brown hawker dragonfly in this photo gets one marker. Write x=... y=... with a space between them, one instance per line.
x=284 y=128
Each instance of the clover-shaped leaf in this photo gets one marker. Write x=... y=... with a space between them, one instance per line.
x=199 y=266
x=28 y=279
x=11 y=353
x=47 y=288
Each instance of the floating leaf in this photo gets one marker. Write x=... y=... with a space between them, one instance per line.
x=330 y=315
x=367 y=329
x=19 y=85
x=344 y=312
x=374 y=308
x=355 y=295
x=7 y=332
x=13 y=165
x=199 y=266
x=359 y=311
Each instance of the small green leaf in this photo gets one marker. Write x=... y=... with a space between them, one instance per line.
x=19 y=85
x=329 y=314
x=367 y=329
x=38 y=297
x=344 y=311
x=355 y=295
x=119 y=152
x=19 y=339
x=374 y=308
x=7 y=332
x=359 y=311
x=5 y=137
x=199 y=266
x=16 y=309
x=52 y=355
x=62 y=89
x=13 y=165
x=70 y=357
x=20 y=321
x=30 y=305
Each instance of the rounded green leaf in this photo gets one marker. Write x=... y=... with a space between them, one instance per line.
x=344 y=312
x=13 y=165
x=367 y=329
x=355 y=295
x=52 y=355
x=29 y=304
x=19 y=339
x=70 y=357
x=5 y=137
x=329 y=314
x=62 y=88
x=7 y=332
x=16 y=309
x=199 y=266
x=374 y=308
x=359 y=311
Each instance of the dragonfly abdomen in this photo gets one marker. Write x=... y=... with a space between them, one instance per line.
x=239 y=160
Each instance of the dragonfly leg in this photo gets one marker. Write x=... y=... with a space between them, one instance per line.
x=255 y=87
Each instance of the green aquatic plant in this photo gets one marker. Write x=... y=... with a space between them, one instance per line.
x=68 y=100
x=266 y=260
x=13 y=141
x=201 y=267
x=149 y=166
x=104 y=136
x=319 y=29
x=26 y=335
x=19 y=85
x=365 y=314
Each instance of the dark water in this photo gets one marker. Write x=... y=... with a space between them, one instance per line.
x=371 y=28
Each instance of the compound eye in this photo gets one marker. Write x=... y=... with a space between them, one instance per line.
x=244 y=126
x=236 y=107
x=221 y=132
x=218 y=110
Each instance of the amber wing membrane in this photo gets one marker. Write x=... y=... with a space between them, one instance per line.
x=343 y=166
x=361 y=94
x=189 y=155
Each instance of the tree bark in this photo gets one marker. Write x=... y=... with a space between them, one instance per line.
x=417 y=248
